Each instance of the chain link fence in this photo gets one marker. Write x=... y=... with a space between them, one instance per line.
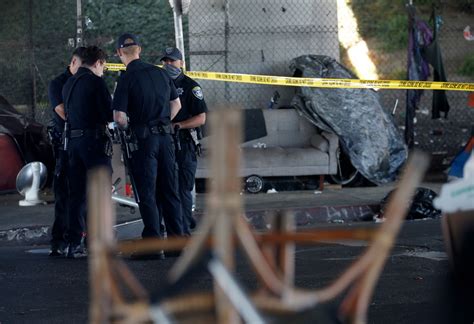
x=257 y=38
x=241 y=36
x=32 y=55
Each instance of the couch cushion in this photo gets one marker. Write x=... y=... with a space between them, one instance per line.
x=285 y=128
x=278 y=157
x=276 y=161
x=319 y=142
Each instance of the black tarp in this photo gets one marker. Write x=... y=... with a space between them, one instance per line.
x=29 y=135
x=366 y=132
x=421 y=205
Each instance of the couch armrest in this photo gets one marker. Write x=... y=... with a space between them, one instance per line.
x=333 y=140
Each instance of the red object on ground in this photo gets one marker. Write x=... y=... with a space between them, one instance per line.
x=470 y=100
x=10 y=162
x=128 y=190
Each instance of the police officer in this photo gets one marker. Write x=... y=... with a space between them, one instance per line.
x=146 y=100
x=189 y=119
x=87 y=103
x=55 y=130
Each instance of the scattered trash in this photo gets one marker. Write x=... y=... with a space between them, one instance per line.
x=467 y=34
x=456 y=195
x=333 y=186
x=459 y=194
x=456 y=170
x=260 y=145
x=274 y=100
x=254 y=184
x=270 y=191
x=317 y=192
x=379 y=218
x=421 y=206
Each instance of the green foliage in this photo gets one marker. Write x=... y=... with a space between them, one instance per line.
x=397 y=74
x=467 y=68
x=393 y=32
x=53 y=23
x=385 y=20
x=465 y=5
x=151 y=20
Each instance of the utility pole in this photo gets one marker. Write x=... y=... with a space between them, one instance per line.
x=79 y=29
x=177 y=6
x=33 y=61
x=226 y=47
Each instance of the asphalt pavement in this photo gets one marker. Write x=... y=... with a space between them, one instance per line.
x=414 y=286
x=31 y=225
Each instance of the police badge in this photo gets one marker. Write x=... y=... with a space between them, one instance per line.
x=197 y=92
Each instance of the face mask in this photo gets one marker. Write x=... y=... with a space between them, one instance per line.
x=173 y=71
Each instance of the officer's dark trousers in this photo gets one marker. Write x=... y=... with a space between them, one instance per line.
x=187 y=164
x=61 y=198
x=155 y=174
x=84 y=154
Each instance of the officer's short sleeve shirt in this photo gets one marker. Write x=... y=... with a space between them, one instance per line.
x=87 y=100
x=192 y=98
x=55 y=96
x=144 y=93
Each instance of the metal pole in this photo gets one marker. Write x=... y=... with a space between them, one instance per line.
x=79 y=29
x=409 y=109
x=226 y=47
x=33 y=61
x=178 y=32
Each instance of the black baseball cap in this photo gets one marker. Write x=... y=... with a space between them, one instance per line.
x=172 y=53
x=127 y=36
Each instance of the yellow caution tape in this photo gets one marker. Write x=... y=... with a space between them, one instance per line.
x=115 y=67
x=319 y=82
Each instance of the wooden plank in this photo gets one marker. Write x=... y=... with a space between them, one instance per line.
x=356 y=304
x=224 y=197
x=101 y=218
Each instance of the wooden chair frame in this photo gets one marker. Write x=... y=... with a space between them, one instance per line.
x=271 y=254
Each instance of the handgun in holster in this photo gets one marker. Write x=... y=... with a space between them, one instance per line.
x=65 y=137
x=177 y=141
x=108 y=142
x=195 y=139
x=128 y=144
x=55 y=137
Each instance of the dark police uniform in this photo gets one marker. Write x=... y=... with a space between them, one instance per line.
x=60 y=182
x=192 y=104
x=144 y=93
x=88 y=109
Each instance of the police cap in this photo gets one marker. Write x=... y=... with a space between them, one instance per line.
x=122 y=40
x=172 y=53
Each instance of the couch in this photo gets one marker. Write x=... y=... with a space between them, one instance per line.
x=292 y=147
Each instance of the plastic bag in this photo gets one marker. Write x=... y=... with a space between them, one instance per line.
x=421 y=205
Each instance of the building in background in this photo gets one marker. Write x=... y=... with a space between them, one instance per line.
x=257 y=37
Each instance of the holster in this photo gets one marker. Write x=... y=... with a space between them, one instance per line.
x=55 y=136
x=65 y=137
x=194 y=137
x=177 y=140
x=154 y=127
x=108 y=143
x=161 y=129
